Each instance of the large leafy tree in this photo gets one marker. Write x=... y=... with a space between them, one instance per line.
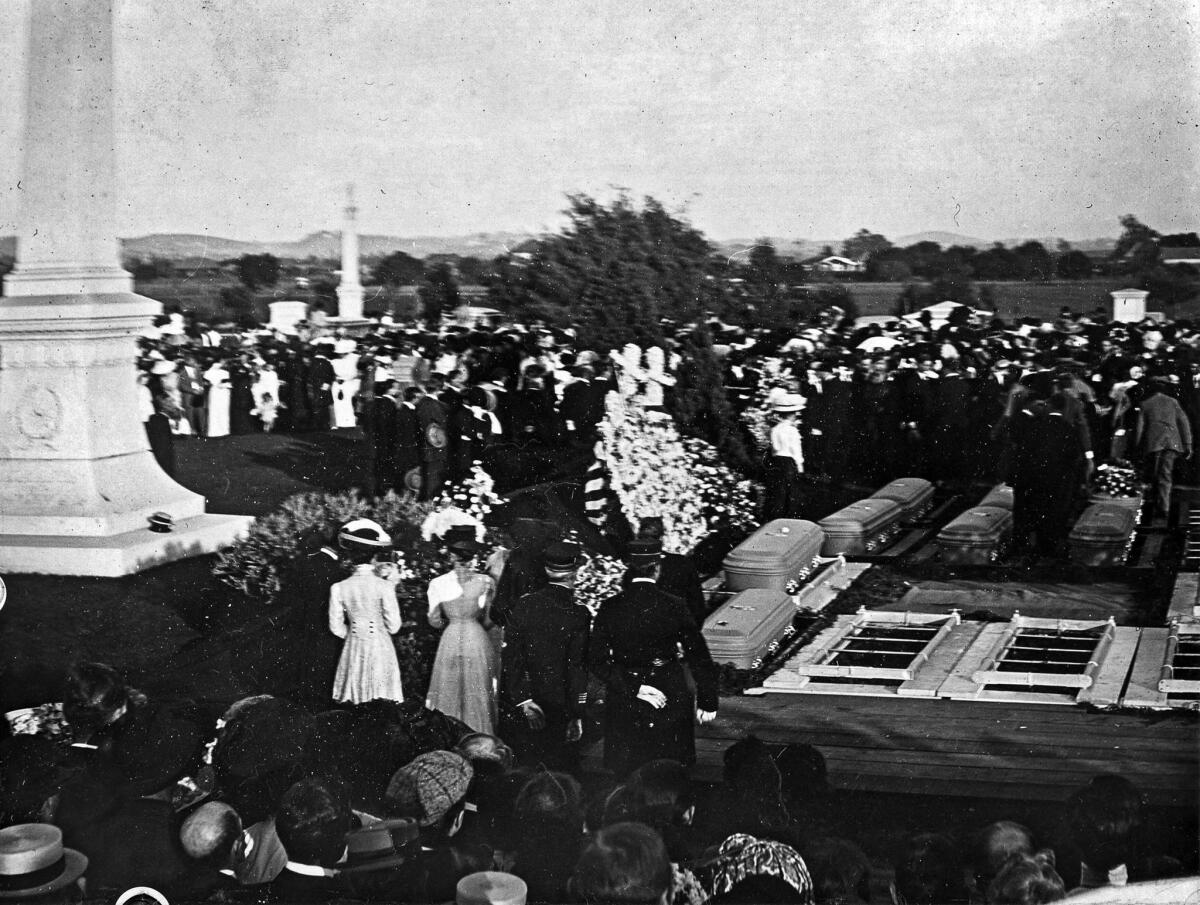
x=864 y=244
x=439 y=293
x=613 y=273
x=258 y=270
x=398 y=269
x=1136 y=247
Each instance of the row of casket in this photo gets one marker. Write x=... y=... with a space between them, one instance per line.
x=770 y=566
x=1102 y=536
x=868 y=525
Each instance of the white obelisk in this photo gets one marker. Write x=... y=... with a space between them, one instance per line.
x=350 y=290
x=77 y=480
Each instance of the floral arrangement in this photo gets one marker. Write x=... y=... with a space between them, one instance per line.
x=1117 y=480
x=651 y=473
x=256 y=563
x=46 y=720
x=475 y=496
x=729 y=501
x=598 y=579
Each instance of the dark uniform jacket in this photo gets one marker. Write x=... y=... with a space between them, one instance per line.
x=635 y=641
x=545 y=652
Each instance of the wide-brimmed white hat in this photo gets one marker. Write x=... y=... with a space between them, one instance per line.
x=362 y=533
x=789 y=402
x=34 y=862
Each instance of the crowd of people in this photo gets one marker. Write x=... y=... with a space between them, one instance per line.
x=354 y=791
x=960 y=402
x=399 y=803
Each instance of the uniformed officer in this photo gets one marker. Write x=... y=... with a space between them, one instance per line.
x=637 y=641
x=545 y=666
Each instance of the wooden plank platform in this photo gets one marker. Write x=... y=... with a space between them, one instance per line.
x=1142 y=690
x=1185 y=597
x=945 y=747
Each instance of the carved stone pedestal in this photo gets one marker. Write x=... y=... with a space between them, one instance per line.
x=77 y=480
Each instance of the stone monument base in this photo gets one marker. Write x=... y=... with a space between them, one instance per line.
x=119 y=554
x=353 y=326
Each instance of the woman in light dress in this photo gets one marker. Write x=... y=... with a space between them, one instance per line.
x=345 y=386
x=219 y=389
x=266 y=395
x=466 y=668
x=363 y=611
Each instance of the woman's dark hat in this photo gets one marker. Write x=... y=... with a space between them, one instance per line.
x=461 y=539
x=159 y=747
x=563 y=557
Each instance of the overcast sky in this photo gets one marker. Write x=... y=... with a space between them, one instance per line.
x=246 y=118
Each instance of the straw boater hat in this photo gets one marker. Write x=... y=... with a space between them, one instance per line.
x=33 y=861
x=363 y=534
x=789 y=402
x=491 y=888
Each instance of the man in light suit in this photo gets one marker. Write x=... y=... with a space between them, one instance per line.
x=1163 y=434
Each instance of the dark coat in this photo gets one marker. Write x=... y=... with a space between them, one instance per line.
x=431 y=421
x=634 y=642
x=407 y=454
x=131 y=843
x=545 y=651
x=680 y=578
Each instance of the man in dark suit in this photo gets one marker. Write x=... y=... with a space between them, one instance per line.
x=320 y=388
x=380 y=427
x=312 y=822
x=634 y=648
x=678 y=575
x=577 y=408
x=1047 y=465
x=435 y=456
x=545 y=666
x=407 y=453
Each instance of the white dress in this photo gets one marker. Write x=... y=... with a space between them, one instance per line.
x=218 y=401
x=345 y=388
x=363 y=611
x=266 y=396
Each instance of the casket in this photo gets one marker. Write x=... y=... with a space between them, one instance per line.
x=999 y=497
x=779 y=552
x=862 y=527
x=1103 y=535
x=976 y=537
x=745 y=628
x=913 y=495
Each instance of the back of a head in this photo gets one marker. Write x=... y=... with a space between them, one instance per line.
x=550 y=799
x=95 y=695
x=1027 y=880
x=994 y=845
x=652 y=528
x=664 y=792
x=928 y=870
x=312 y=822
x=802 y=773
x=840 y=870
x=761 y=890
x=210 y=833
x=1104 y=818
x=625 y=862
x=749 y=767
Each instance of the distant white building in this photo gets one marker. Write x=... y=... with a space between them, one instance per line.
x=1179 y=256
x=838 y=264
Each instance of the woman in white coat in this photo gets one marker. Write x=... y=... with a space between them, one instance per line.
x=345 y=385
x=363 y=612
x=219 y=390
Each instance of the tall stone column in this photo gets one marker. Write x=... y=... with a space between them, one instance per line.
x=350 y=290
x=77 y=480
